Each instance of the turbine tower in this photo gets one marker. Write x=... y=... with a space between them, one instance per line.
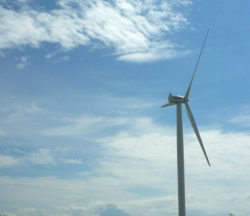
x=178 y=101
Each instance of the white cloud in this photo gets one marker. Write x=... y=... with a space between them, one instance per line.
x=22 y=111
x=55 y=58
x=30 y=108
x=23 y=62
x=145 y=140
x=42 y=157
x=21 y=118
x=153 y=54
x=50 y=55
x=7 y=161
x=40 y=121
x=8 y=214
x=82 y=126
x=72 y=161
x=136 y=170
x=135 y=30
x=145 y=159
x=242 y=120
x=96 y=209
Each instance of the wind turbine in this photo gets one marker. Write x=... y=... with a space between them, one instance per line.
x=178 y=101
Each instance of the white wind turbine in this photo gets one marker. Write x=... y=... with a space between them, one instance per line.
x=178 y=101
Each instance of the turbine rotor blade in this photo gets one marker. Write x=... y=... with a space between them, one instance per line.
x=191 y=118
x=166 y=105
x=197 y=63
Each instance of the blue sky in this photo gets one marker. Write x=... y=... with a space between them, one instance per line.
x=81 y=128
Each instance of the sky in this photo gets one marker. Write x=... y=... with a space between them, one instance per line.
x=81 y=86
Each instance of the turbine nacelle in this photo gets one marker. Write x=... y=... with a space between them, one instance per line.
x=174 y=99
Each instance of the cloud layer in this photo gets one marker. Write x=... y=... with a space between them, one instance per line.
x=136 y=172
x=135 y=30
x=78 y=165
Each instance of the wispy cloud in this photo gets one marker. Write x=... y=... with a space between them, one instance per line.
x=55 y=58
x=43 y=156
x=23 y=62
x=241 y=117
x=6 y=161
x=72 y=161
x=136 y=30
x=83 y=125
x=142 y=154
x=1 y=133
x=242 y=120
x=40 y=121
x=135 y=169
x=22 y=111
x=49 y=157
